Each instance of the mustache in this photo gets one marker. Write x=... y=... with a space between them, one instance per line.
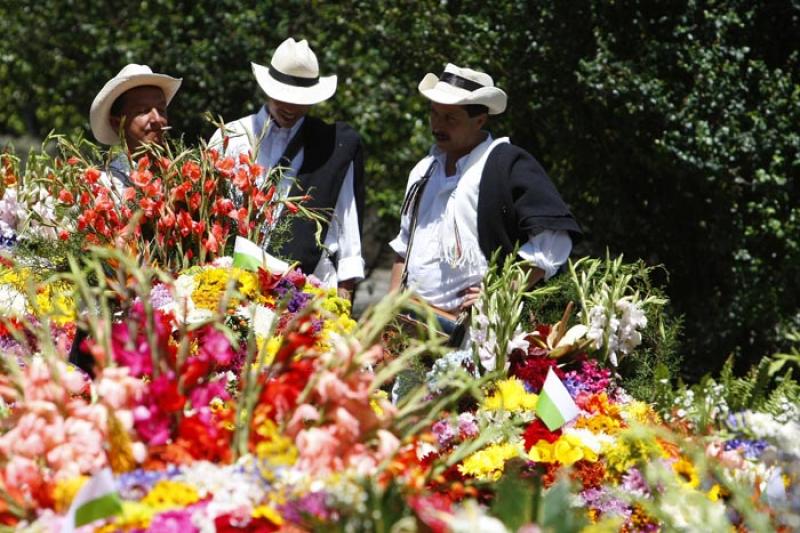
x=440 y=136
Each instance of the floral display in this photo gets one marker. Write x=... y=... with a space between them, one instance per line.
x=227 y=399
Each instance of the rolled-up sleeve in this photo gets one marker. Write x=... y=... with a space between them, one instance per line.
x=344 y=229
x=548 y=250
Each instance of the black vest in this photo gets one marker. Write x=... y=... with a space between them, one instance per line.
x=516 y=199
x=328 y=150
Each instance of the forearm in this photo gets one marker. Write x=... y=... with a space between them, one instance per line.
x=397 y=273
x=345 y=289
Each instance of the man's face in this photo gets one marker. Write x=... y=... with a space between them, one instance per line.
x=145 y=113
x=453 y=129
x=286 y=114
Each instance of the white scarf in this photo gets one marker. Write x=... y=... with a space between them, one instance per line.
x=459 y=245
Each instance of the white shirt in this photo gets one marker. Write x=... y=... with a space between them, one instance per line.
x=343 y=237
x=436 y=280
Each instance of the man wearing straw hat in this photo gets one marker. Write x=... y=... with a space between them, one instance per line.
x=322 y=160
x=133 y=103
x=471 y=195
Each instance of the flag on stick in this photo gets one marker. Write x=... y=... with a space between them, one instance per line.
x=249 y=256
x=555 y=406
x=96 y=500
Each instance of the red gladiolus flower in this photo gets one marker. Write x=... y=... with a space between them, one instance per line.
x=179 y=192
x=225 y=166
x=91 y=175
x=213 y=154
x=165 y=392
x=256 y=170
x=293 y=341
x=129 y=194
x=244 y=158
x=194 y=201
x=242 y=180
x=66 y=197
x=198 y=227
x=191 y=170
x=163 y=163
x=143 y=164
x=73 y=160
x=270 y=193
x=222 y=206
x=184 y=223
x=141 y=178
x=148 y=206
x=209 y=186
x=63 y=235
x=291 y=207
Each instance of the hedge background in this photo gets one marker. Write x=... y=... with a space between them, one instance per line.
x=671 y=128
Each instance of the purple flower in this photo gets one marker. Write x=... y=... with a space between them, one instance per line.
x=444 y=431
x=633 y=482
x=135 y=484
x=298 y=301
x=467 y=426
x=175 y=521
x=160 y=296
x=312 y=505
x=752 y=449
x=604 y=503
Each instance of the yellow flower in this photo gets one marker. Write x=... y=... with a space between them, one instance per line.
x=167 y=494
x=265 y=511
x=65 y=490
x=488 y=464
x=134 y=516
x=375 y=401
x=627 y=452
x=511 y=395
x=599 y=424
x=567 y=450
x=686 y=473
x=268 y=352
x=273 y=448
x=641 y=413
x=715 y=492
x=210 y=285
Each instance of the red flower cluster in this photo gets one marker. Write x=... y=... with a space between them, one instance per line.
x=182 y=204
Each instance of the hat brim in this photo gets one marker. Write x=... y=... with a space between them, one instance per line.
x=444 y=93
x=100 y=112
x=321 y=91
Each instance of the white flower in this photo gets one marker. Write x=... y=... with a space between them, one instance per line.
x=12 y=302
x=472 y=517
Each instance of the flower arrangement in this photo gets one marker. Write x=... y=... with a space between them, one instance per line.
x=226 y=399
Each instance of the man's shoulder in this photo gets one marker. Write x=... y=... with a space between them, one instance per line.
x=343 y=131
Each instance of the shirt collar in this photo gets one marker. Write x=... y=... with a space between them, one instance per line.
x=466 y=160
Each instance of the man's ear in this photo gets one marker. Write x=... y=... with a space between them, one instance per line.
x=483 y=119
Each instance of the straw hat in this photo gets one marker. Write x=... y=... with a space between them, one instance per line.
x=293 y=75
x=463 y=86
x=129 y=77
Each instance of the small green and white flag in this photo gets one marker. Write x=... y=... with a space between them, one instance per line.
x=250 y=256
x=555 y=406
x=96 y=500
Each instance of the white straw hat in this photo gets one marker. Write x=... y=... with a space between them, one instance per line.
x=293 y=75
x=129 y=77
x=463 y=86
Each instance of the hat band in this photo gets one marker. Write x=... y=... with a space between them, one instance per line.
x=457 y=81
x=288 y=79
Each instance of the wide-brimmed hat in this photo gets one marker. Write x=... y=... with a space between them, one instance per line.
x=463 y=86
x=129 y=77
x=293 y=75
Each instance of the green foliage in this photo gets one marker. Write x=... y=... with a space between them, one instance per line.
x=670 y=128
